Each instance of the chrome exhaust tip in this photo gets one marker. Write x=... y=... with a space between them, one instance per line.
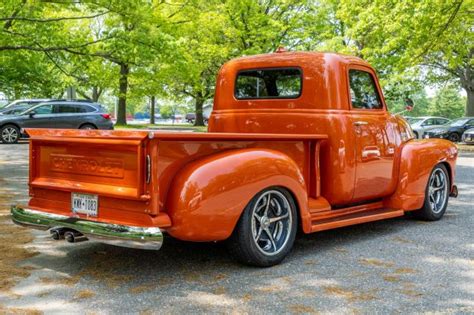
x=57 y=234
x=74 y=237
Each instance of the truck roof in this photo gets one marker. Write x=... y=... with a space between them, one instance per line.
x=324 y=80
x=300 y=56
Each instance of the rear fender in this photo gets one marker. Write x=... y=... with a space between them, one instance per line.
x=208 y=196
x=417 y=160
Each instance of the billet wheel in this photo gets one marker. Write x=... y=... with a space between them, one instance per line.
x=266 y=230
x=436 y=194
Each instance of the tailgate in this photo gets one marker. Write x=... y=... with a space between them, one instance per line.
x=107 y=163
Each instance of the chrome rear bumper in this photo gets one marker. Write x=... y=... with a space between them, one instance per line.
x=115 y=234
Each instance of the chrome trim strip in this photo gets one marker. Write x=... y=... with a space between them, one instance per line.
x=150 y=238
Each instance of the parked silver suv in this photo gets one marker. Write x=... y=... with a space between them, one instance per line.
x=59 y=114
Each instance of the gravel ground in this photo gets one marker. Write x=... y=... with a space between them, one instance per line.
x=395 y=266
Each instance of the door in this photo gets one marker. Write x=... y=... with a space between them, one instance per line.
x=39 y=117
x=374 y=130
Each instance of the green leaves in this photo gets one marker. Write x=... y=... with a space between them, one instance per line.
x=173 y=49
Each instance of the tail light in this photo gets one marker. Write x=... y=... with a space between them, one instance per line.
x=106 y=116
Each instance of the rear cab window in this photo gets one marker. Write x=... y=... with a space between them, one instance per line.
x=363 y=91
x=277 y=83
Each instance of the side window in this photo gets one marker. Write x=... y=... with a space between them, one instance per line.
x=268 y=83
x=442 y=121
x=430 y=122
x=364 y=94
x=43 y=110
x=85 y=109
x=470 y=123
x=66 y=109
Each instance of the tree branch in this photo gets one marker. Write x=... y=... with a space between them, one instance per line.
x=20 y=18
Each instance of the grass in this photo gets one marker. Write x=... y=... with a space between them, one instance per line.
x=466 y=147
x=185 y=127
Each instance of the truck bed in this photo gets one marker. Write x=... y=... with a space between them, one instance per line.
x=133 y=171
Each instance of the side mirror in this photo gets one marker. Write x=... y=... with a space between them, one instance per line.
x=31 y=114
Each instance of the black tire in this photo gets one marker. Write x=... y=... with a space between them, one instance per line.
x=434 y=208
x=257 y=248
x=9 y=134
x=454 y=137
x=88 y=127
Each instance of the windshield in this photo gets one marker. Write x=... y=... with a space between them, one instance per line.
x=459 y=122
x=413 y=120
x=16 y=103
x=15 y=111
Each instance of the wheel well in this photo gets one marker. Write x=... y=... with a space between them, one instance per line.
x=450 y=174
x=298 y=207
x=85 y=124
x=12 y=124
x=292 y=195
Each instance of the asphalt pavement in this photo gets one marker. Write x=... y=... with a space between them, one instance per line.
x=396 y=266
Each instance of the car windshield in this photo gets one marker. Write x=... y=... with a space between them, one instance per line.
x=15 y=111
x=413 y=120
x=459 y=122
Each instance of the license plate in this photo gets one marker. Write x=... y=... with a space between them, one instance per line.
x=85 y=204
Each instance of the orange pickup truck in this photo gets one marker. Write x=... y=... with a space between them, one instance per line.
x=296 y=141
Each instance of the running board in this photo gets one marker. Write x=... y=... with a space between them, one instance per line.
x=354 y=218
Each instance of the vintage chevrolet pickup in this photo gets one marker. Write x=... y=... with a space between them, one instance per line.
x=296 y=141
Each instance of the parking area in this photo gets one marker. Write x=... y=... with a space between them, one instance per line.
x=395 y=266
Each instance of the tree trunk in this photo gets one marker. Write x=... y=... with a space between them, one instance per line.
x=470 y=102
x=199 y=102
x=95 y=93
x=152 y=110
x=123 y=87
x=17 y=93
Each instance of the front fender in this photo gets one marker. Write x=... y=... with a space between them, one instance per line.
x=208 y=196
x=417 y=160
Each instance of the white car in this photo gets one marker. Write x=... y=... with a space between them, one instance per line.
x=422 y=124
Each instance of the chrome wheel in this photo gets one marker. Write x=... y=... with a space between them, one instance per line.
x=10 y=135
x=438 y=190
x=271 y=222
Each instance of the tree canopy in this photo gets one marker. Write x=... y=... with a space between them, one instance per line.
x=139 y=50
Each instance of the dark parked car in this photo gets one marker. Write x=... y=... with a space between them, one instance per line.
x=28 y=103
x=64 y=114
x=452 y=131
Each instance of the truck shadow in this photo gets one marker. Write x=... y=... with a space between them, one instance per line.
x=353 y=264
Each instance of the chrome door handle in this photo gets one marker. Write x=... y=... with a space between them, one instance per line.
x=360 y=123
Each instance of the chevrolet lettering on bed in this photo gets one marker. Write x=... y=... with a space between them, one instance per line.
x=296 y=141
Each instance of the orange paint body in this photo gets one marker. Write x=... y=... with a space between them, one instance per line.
x=196 y=185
